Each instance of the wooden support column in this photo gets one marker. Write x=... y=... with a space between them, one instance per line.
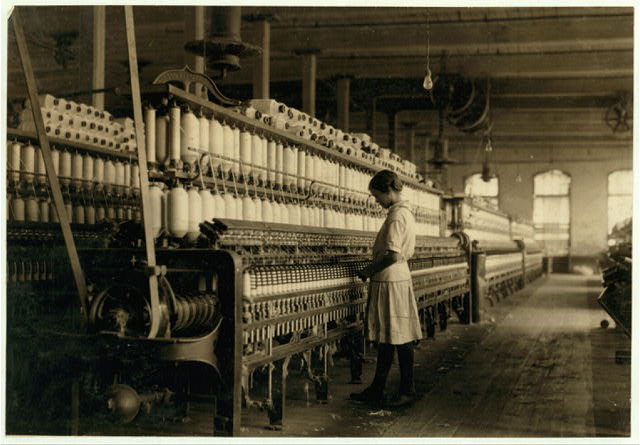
x=342 y=99
x=309 y=69
x=99 y=34
x=194 y=30
x=391 y=116
x=411 y=140
x=424 y=156
x=261 y=68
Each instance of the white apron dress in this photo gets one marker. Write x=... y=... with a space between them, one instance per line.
x=392 y=311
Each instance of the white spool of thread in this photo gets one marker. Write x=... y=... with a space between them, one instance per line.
x=195 y=214
x=174 y=133
x=13 y=161
x=267 y=211
x=318 y=169
x=65 y=167
x=110 y=213
x=271 y=162
x=17 y=209
x=293 y=214
x=87 y=171
x=98 y=172
x=190 y=140
x=309 y=169
x=216 y=142
x=204 y=132
x=208 y=205
x=305 y=216
x=109 y=175
x=150 y=133
x=135 y=178
x=178 y=212
x=248 y=209
x=119 y=166
x=43 y=211
x=220 y=211
x=279 y=164
x=76 y=169
x=302 y=182
x=127 y=178
x=290 y=166
x=120 y=214
x=100 y=213
x=284 y=213
x=89 y=215
x=41 y=169
x=28 y=162
x=275 y=211
x=162 y=123
x=257 y=206
x=230 y=206
x=236 y=150
x=31 y=209
x=157 y=217
x=258 y=157
x=246 y=155
x=78 y=214
x=227 y=137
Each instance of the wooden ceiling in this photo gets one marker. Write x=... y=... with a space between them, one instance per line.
x=554 y=72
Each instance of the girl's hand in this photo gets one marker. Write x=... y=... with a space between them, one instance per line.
x=364 y=274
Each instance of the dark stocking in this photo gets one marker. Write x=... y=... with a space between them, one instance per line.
x=405 y=358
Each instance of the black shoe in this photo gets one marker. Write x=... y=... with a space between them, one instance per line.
x=401 y=400
x=368 y=395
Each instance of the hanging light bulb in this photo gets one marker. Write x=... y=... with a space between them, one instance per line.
x=488 y=147
x=427 y=84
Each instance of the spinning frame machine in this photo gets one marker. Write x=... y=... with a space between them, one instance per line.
x=241 y=296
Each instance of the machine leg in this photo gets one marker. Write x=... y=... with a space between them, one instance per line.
x=430 y=322
x=356 y=358
x=276 y=410
x=442 y=313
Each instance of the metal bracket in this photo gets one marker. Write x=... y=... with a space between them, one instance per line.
x=186 y=76
x=157 y=270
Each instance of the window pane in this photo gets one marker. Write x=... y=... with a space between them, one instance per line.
x=552 y=212
x=551 y=209
x=553 y=182
x=621 y=183
x=475 y=186
x=620 y=208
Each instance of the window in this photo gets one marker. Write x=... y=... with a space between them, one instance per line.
x=551 y=211
x=620 y=204
x=475 y=186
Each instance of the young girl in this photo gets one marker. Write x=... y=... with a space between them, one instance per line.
x=392 y=314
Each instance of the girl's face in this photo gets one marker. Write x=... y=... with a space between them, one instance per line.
x=382 y=198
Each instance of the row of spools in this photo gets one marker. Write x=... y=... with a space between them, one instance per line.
x=357 y=145
x=178 y=212
x=87 y=171
x=91 y=172
x=78 y=122
x=177 y=137
x=34 y=209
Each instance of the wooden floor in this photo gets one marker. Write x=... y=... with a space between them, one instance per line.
x=538 y=365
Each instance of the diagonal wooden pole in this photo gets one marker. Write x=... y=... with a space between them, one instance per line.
x=144 y=174
x=58 y=201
